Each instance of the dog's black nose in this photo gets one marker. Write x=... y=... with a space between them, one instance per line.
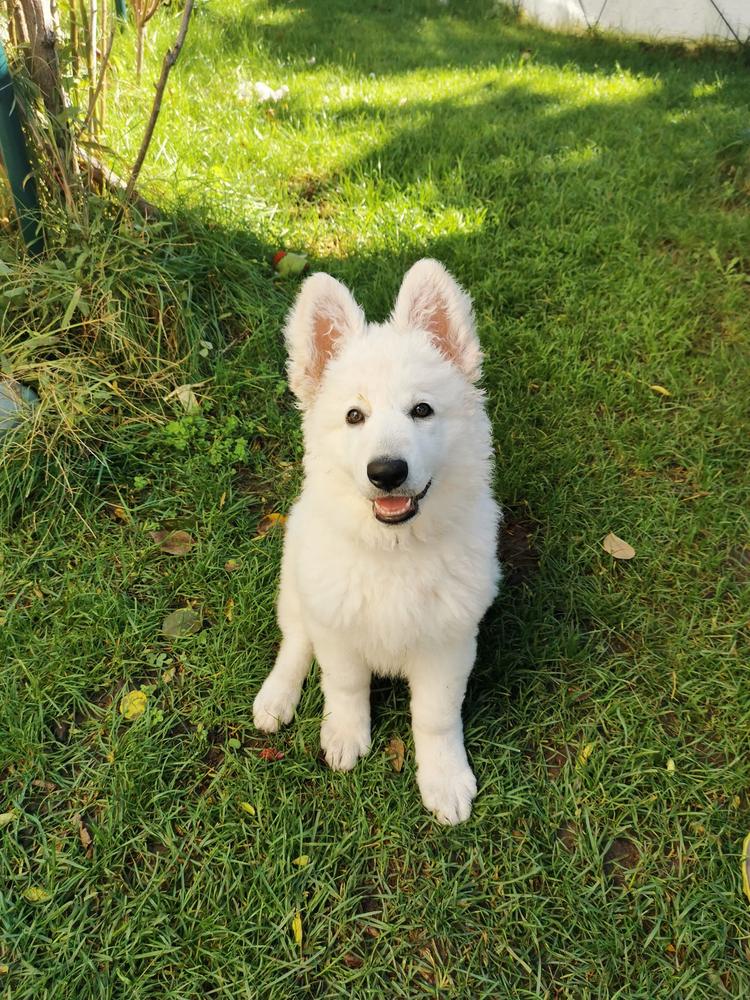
x=387 y=473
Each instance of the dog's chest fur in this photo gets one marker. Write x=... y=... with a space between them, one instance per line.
x=387 y=601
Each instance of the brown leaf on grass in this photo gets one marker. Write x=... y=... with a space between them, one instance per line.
x=352 y=961
x=48 y=786
x=182 y=622
x=270 y=754
x=120 y=514
x=617 y=548
x=396 y=752
x=269 y=521
x=229 y=609
x=232 y=565
x=87 y=841
x=176 y=543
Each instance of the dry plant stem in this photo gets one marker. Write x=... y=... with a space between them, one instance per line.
x=94 y=96
x=106 y=47
x=93 y=32
x=143 y=11
x=75 y=62
x=169 y=60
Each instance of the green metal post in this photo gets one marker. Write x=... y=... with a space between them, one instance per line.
x=17 y=166
x=121 y=10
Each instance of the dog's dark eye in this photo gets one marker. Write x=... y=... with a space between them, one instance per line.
x=355 y=416
x=422 y=410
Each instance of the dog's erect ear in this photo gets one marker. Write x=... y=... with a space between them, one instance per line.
x=431 y=299
x=322 y=316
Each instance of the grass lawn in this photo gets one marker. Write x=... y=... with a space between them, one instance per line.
x=577 y=187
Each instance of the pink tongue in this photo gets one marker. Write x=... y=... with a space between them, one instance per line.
x=393 y=505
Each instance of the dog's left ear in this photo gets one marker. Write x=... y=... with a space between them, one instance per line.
x=431 y=299
x=323 y=315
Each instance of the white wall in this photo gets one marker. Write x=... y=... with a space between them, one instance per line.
x=651 y=18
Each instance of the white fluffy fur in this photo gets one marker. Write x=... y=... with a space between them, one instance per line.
x=366 y=597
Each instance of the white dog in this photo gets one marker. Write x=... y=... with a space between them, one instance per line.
x=390 y=552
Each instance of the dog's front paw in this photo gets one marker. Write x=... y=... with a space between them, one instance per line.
x=343 y=743
x=447 y=791
x=274 y=705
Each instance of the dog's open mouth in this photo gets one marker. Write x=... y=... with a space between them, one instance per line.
x=397 y=509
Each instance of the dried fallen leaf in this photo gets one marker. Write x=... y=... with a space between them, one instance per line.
x=583 y=756
x=297 y=927
x=246 y=807
x=671 y=767
x=268 y=522
x=617 y=548
x=168 y=676
x=232 y=565
x=270 y=754
x=85 y=837
x=182 y=622
x=7 y=818
x=4 y=970
x=176 y=543
x=396 y=751
x=229 y=610
x=185 y=397
x=48 y=786
x=120 y=514
x=302 y=861
x=133 y=705
x=746 y=866
x=661 y=390
x=35 y=894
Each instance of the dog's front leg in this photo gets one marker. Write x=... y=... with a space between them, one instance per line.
x=345 y=680
x=437 y=677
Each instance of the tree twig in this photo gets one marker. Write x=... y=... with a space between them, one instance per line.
x=169 y=60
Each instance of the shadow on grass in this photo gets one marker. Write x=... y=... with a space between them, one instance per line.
x=398 y=36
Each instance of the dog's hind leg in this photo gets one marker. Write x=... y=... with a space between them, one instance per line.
x=277 y=699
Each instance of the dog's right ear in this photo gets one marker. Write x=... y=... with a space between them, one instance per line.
x=324 y=313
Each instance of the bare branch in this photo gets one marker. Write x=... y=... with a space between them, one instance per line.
x=169 y=60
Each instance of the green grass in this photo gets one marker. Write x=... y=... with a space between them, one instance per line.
x=582 y=196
